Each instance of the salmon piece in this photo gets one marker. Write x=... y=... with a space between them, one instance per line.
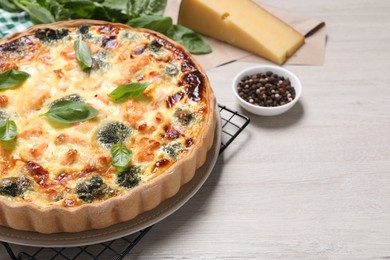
x=37 y=131
x=153 y=75
x=104 y=98
x=134 y=112
x=139 y=63
x=3 y=101
x=122 y=56
x=146 y=149
x=4 y=165
x=69 y=53
x=37 y=101
x=159 y=118
x=8 y=66
x=65 y=139
x=69 y=157
x=93 y=47
x=37 y=151
x=59 y=73
x=145 y=129
x=46 y=59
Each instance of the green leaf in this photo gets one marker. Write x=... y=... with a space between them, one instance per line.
x=83 y=54
x=148 y=7
x=8 y=130
x=38 y=14
x=9 y=6
x=128 y=90
x=79 y=8
x=152 y=22
x=68 y=111
x=121 y=5
x=12 y=78
x=121 y=155
x=189 y=39
x=57 y=10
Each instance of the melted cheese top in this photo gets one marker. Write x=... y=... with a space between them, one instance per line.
x=52 y=163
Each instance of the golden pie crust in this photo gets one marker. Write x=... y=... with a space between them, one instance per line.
x=28 y=216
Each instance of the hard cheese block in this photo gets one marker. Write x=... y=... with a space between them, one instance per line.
x=243 y=24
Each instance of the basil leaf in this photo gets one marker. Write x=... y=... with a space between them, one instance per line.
x=12 y=78
x=121 y=155
x=68 y=111
x=191 y=40
x=148 y=7
x=8 y=130
x=128 y=90
x=83 y=54
x=152 y=22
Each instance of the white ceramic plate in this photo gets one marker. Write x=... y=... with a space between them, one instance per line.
x=143 y=221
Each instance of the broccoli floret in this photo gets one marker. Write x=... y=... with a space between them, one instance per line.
x=184 y=116
x=172 y=150
x=97 y=64
x=155 y=46
x=48 y=35
x=171 y=70
x=84 y=29
x=113 y=133
x=129 y=177
x=93 y=188
x=14 y=186
x=71 y=97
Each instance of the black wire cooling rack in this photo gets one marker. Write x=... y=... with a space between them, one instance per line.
x=233 y=123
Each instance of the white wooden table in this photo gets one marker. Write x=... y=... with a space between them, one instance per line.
x=313 y=183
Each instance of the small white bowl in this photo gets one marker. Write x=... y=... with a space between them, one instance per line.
x=267 y=111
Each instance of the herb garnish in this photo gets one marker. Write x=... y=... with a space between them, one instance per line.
x=83 y=54
x=128 y=90
x=8 y=130
x=12 y=78
x=121 y=155
x=68 y=111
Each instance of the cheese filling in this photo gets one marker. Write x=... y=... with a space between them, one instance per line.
x=52 y=163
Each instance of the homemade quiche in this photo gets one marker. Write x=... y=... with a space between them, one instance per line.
x=99 y=122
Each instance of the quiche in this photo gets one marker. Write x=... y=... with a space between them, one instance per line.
x=99 y=122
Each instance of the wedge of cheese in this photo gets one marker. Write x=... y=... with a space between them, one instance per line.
x=243 y=24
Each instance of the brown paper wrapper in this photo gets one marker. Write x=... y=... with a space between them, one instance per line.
x=311 y=53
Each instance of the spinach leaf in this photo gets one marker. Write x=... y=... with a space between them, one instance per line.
x=128 y=90
x=191 y=40
x=38 y=14
x=121 y=155
x=68 y=111
x=8 y=130
x=108 y=14
x=12 y=78
x=57 y=10
x=121 y=5
x=9 y=6
x=148 y=7
x=153 y=22
x=83 y=54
